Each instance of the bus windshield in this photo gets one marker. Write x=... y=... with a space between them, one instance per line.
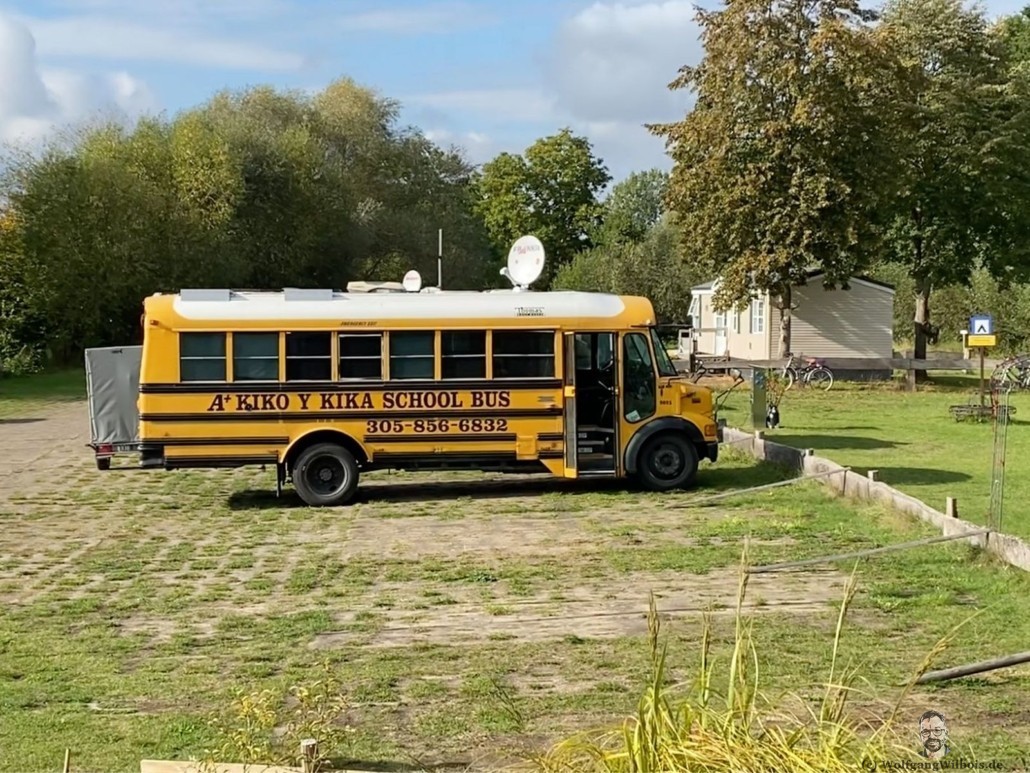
x=665 y=366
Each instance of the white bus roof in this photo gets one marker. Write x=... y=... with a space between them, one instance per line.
x=228 y=306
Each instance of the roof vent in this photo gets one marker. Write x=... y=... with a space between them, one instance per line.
x=206 y=295
x=304 y=294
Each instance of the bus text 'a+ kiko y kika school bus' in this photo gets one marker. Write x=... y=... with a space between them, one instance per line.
x=325 y=385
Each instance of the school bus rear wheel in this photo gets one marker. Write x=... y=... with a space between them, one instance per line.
x=326 y=475
x=667 y=461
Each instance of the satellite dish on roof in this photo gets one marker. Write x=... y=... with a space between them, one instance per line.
x=412 y=281
x=525 y=261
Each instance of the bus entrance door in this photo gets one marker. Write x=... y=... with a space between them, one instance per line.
x=591 y=426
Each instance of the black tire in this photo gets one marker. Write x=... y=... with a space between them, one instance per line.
x=326 y=475
x=103 y=462
x=667 y=461
x=821 y=378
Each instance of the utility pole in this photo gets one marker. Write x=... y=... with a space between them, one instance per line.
x=439 y=261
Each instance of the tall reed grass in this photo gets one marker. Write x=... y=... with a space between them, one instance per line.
x=737 y=729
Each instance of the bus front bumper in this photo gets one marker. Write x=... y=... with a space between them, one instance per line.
x=712 y=451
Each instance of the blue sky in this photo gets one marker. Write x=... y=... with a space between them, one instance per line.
x=486 y=75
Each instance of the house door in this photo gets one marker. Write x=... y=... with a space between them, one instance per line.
x=720 y=334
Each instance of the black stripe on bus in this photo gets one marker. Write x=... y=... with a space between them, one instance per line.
x=196 y=462
x=559 y=454
x=223 y=441
x=482 y=437
x=416 y=457
x=402 y=385
x=504 y=413
x=550 y=437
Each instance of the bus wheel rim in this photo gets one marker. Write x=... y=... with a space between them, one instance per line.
x=326 y=475
x=667 y=461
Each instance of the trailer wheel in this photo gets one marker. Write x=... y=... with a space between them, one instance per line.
x=326 y=475
x=103 y=462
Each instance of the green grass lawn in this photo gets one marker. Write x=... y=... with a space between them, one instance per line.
x=911 y=438
x=23 y=394
x=468 y=620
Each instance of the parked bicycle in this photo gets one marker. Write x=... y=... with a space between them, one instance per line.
x=812 y=372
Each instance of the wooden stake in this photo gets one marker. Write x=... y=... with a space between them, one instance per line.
x=308 y=755
x=974 y=668
x=951 y=507
x=67 y=760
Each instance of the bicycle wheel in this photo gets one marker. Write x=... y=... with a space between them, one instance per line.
x=821 y=377
x=790 y=376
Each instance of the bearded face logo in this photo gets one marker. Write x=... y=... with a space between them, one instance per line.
x=933 y=735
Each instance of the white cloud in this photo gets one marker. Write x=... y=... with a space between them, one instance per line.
x=101 y=37
x=608 y=71
x=524 y=105
x=177 y=11
x=420 y=20
x=479 y=147
x=35 y=101
x=613 y=62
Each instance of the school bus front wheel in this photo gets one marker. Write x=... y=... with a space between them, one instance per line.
x=326 y=475
x=667 y=461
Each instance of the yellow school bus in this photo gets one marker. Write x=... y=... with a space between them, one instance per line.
x=324 y=385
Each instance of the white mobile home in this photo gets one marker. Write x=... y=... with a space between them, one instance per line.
x=857 y=322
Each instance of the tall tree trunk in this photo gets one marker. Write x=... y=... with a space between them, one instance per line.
x=921 y=321
x=923 y=287
x=783 y=302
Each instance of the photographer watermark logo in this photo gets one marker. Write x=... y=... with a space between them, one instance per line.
x=933 y=735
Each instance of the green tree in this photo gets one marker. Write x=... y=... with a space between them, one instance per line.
x=963 y=150
x=650 y=267
x=633 y=207
x=783 y=164
x=551 y=192
x=257 y=188
x=1014 y=31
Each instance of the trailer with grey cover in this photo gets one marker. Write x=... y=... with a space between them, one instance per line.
x=112 y=391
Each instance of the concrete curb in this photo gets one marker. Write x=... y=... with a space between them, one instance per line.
x=848 y=483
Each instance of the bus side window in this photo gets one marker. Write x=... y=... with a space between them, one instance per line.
x=255 y=356
x=202 y=356
x=309 y=356
x=361 y=356
x=413 y=354
x=638 y=378
x=523 y=353
x=463 y=354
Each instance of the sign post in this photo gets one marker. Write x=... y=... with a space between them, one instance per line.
x=981 y=335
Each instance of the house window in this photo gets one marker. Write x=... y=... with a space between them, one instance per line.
x=202 y=356
x=255 y=356
x=361 y=356
x=412 y=354
x=736 y=320
x=463 y=354
x=523 y=354
x=309 y=356
x=758 y=315
x=695 y=311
